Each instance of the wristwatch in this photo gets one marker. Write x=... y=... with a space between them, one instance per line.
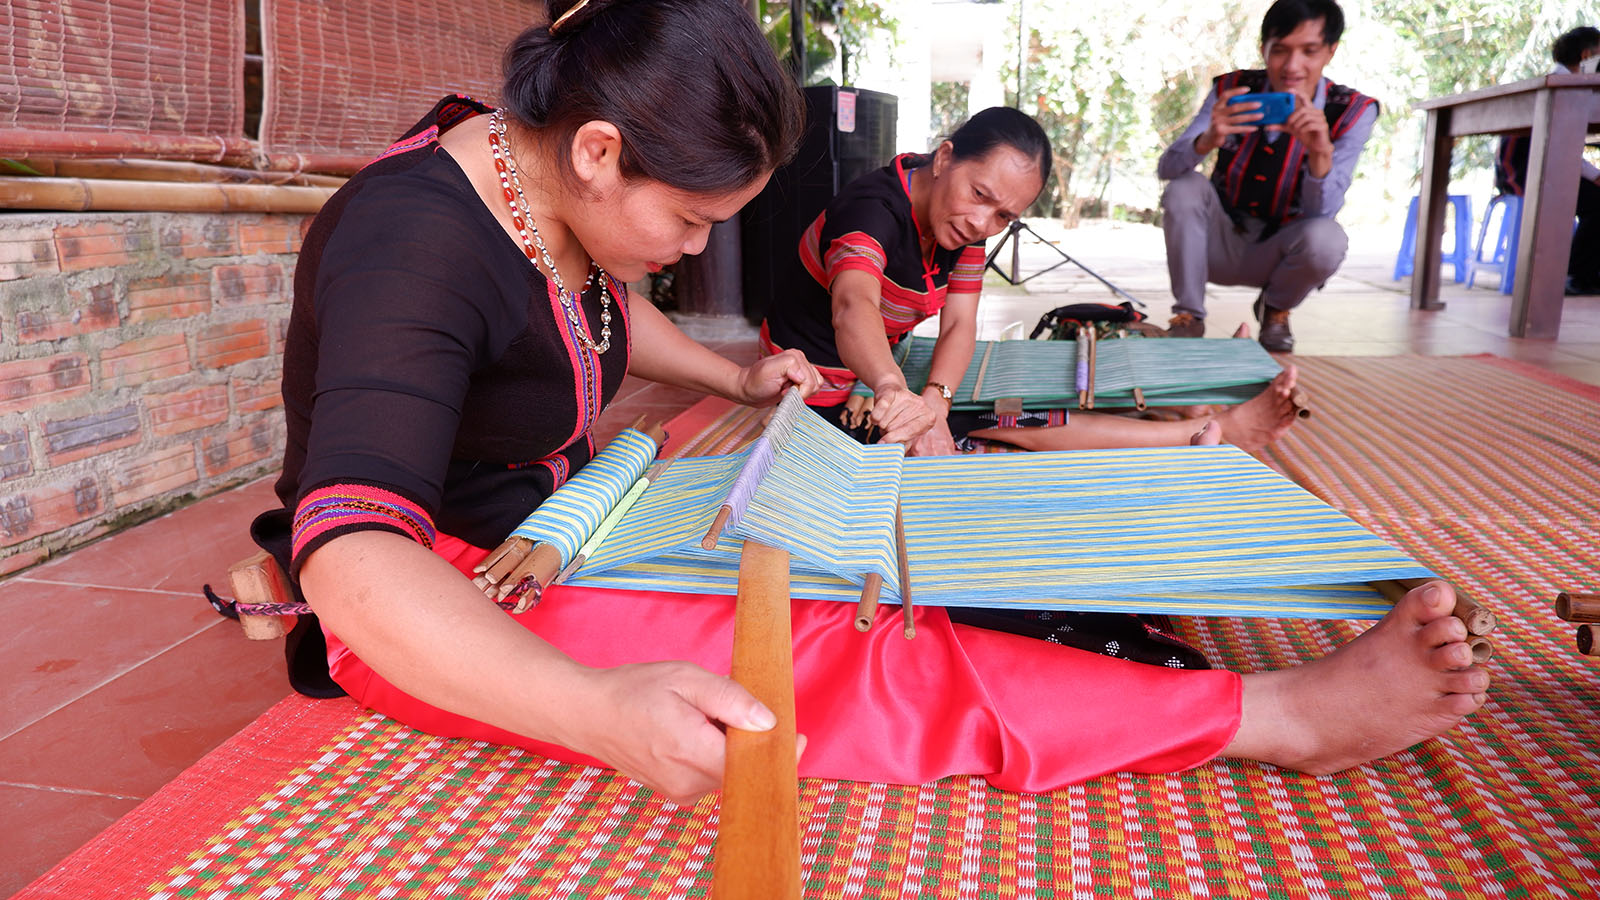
x=944 y=391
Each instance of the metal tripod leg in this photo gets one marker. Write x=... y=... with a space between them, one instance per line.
x=1011 y=235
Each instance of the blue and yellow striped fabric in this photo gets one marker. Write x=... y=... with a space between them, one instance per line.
x=1184 y=530
x=570 y=515
x=827 y=499
x=1043 y=374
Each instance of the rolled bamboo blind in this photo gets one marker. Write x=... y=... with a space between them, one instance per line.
x=151 y=78
x=344 y=80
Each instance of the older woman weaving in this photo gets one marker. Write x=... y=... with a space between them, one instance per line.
x=898 y=245
x=459 y=322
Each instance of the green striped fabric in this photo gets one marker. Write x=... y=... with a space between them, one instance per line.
x=1043 y=374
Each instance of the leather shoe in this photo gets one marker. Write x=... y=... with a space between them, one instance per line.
x=1275 y=334
x=1186 y=325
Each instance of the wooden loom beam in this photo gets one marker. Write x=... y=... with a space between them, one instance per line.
x=758 y=840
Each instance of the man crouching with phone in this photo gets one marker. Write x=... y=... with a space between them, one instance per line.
x=1265 y=216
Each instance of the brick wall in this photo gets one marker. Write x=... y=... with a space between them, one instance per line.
x=140 y=356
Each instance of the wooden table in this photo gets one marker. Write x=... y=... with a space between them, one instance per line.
x=1558 y=110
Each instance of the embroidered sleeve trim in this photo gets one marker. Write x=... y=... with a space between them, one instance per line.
x=337 y=509
x=966 y=276
x=856 y=250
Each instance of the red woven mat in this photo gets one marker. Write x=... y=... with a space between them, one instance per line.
x=318 y=799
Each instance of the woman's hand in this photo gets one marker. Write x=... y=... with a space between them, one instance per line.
x=936 y=441
x=661 y=725
x=901 y=416
x=764 y=382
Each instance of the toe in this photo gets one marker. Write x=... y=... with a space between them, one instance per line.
x=1441 y=631
x=1431 y=601
x=1471 y=682
x=1450 y=656
x=1459 y=705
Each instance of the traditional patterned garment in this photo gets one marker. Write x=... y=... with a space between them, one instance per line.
x=1024 y=713
x=1261 y=178
x=421 y=337
x=869 y=226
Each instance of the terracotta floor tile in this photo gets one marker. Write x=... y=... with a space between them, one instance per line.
x=153 y=721
x=176 y=552
x=63 y=641
x=31 y=847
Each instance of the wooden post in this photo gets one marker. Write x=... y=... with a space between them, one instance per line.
x=1430 y=210
x=758 y=841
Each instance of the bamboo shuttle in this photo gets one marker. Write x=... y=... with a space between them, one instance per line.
x=1587 y=645
x=1138 y=399
x=81 y=194
x=758 y=841
x=1576 y=607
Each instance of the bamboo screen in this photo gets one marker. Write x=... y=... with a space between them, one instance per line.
x=345 y=79
x=148 y=77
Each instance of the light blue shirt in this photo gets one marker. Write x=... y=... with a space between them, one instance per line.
x=1318 y=196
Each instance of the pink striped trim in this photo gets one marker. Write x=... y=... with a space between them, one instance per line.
x=966 y=276
x=339 y=508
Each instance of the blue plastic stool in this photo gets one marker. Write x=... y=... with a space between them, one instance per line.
x=1460 y=249
x=1503 y=260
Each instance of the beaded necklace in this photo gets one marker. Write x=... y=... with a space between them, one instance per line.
x=533 y=243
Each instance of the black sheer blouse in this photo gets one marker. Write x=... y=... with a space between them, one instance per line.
x=431 y=376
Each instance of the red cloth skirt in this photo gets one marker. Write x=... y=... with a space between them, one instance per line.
x=1026 y=714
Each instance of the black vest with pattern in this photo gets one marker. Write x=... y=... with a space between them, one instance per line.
x=1261 y=179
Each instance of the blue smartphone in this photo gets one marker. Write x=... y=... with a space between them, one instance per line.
x=1275 y=107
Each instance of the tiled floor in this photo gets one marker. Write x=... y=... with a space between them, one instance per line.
x=118 y=675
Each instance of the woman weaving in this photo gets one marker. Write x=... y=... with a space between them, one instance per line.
x=898 y=245
x=442 y=371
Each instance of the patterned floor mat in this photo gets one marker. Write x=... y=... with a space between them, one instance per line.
x=319 y=799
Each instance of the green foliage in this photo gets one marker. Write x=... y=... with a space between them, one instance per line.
x=833 y=29
x=1113 y=82
x=949 y=106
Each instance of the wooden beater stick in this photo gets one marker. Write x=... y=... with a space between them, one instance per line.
x=758 y=843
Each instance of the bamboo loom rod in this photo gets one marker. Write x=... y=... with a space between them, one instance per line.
x=1575 y=607
x=80 y=194
x=903 y=560
x=1587 y=645
x=1093 y=344
x=758 y=841
x=867 y=607
x=1302 y=403
x=1479 y=619
x=173 y=170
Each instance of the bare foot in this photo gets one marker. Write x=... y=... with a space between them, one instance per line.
x=1263 y=418
x=1209 y=435
x=1243 y=331
x=1406 y=679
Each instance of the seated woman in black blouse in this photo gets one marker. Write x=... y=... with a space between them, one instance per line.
x=459 y=323
x=897 y=246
